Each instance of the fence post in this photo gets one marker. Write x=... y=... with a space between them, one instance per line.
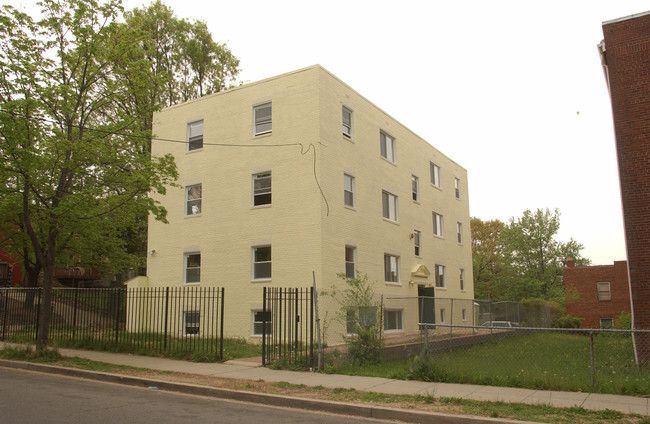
x=223 y=292
x=451 y=327
x=264 y=327
x=311 y=328
x=74 y=313
x=4 y=320
x=166 y=318
x=381 y=318
x=295 y=351
x=117 y=316
x=315 y=306
x=591 y=349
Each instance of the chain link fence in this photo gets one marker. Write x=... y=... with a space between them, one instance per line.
x=595 y=360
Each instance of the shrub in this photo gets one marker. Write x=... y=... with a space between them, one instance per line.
x=361 y=314
x=623 y=321
x=567 y=321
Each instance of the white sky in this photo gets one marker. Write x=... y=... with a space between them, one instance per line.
x=511 y=90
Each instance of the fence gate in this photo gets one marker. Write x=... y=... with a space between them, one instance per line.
x=288 y=326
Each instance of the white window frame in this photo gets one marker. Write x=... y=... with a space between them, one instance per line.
x=435 y=174
x=438 y=225
x=347 y=123
x=389 y=206
x=350 y=262
x=391 y=268
x=195 y=202
x=194 y=135
x=457 y=187
x=459 y=232
x=387 y=147
x=398 y=318
x=461 y=278
x=604 y=291
x=255 y=262
x=262 y=125
x=187 y=269
x=259 y=324
x=415 y=188
x=463 y=314
x=417 y=243
x=349 y=199
x=365 y=316
x=261 y=192
x=191 y=324
x=441 y=279
x=607 y=320
x=443 y=315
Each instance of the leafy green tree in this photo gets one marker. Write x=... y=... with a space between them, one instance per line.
x=488 y=258
x=71 y=159
x=536 y=257
x=521 y=259
x=185 y=62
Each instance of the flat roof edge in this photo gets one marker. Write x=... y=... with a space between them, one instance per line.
x=626 y=18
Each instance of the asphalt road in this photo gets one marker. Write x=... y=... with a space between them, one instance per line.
x=35 y=398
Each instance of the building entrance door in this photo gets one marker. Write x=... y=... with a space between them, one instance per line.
x=426 y=305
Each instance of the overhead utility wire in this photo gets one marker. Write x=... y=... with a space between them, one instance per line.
x=168 y=140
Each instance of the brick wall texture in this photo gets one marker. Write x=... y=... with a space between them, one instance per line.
x=584 y=281
x=627 y=43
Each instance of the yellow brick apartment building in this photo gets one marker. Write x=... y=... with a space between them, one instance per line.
x=297 y=174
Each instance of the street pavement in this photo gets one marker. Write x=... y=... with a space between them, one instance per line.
x=247 y=370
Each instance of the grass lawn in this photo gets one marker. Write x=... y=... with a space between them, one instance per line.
x=545 y=361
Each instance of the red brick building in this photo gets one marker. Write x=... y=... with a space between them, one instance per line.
x=626 y=59
x=603 y=293
x=11 y=271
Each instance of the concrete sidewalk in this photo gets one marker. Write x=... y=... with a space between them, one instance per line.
x=252 y=371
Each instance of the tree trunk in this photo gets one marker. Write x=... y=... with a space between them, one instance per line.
x=45 y=312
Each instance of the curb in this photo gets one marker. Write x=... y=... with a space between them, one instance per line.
x=333 y=407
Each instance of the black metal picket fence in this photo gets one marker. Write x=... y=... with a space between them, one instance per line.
x=172 y=320
x=288 y=326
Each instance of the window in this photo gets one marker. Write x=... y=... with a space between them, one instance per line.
x=387 y=146
x=262 y=263
x=607 y=323
x=457 y=187
x=263 y=120
x=604 y=291
x=463 y=314
x=415 y=188
x=192 y=268
x=435 y=174
x=440 y=277
x=459 y=231
x=348 y=190
x=443 y=313
x=259 y=322
x=416 y=243
x=195 y=136
x=193 y=200
x=191 y=322
x=393 y=320
x=347 y=122
x=362 y=318
x=350 y=262
x=391 y=268
x=262 y=189
x=437 y=225
x=389 y=206
x=462 y=279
